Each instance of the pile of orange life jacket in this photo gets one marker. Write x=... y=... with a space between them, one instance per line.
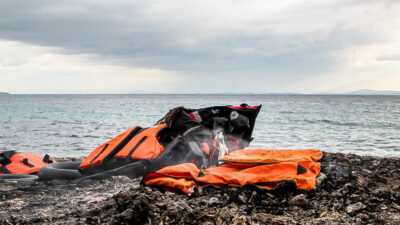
x=267 y=169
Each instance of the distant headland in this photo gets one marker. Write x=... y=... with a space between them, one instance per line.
x=362 y=92
x=357 y=92
x=4 y=93
x=374 y=92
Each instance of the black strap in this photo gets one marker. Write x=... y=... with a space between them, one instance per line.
x=3 y=169
x=136 y=146
x=105 y=146
x=46 y=159
x=26 y=163
x=4 y=160
x=5 y=157
x=122 y=144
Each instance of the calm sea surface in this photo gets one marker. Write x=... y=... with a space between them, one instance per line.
x=73 y=125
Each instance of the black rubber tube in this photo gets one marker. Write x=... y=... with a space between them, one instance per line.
x=60 y=171
x=131 y=170
x=18 y=177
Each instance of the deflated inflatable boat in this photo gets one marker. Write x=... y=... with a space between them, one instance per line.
x=199 y=136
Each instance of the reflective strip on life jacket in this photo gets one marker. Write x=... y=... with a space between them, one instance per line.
x=267 y=156
x=25 y=163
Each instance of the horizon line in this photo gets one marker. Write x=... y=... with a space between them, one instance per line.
x=140 y=92
x=210 y=93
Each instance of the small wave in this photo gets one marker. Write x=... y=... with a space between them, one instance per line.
x=358 y=140
x=332 y=122
x=352 y=124
x=287 y=112
x=73 y=136
x=79 y=149
x=55 y=122
x=310 y=121
x=339 y=123
x=391 y=147
x=76 y=136
x=388 y=125
x=91 y=136
x=37 y=117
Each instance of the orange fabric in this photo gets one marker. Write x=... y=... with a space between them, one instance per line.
x=206 y=148
x=97 y=156
x=150 y=148
x=139 y=145
x=266 y=176
x=172 y=184
x=17 y=166
x=266 y=156
x=183 y=170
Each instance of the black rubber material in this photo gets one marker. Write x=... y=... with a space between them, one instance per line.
x=131 y=170
x=60 y=171
x=18 y=177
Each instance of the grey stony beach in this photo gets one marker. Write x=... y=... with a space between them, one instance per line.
x=355 y=190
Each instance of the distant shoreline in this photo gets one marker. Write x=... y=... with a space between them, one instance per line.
x=272 y=94
x=139 y=92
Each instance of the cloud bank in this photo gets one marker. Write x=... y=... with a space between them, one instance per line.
x=200 y=46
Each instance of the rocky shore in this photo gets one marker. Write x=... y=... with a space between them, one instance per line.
x=353 y=190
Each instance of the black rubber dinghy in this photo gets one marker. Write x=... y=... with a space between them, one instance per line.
x=60 y=171
x=18 y=177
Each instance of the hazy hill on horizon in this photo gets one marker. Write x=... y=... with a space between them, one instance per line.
x=356 y=92
x=374 y=92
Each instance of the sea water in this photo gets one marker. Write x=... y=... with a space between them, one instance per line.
x=74 y=125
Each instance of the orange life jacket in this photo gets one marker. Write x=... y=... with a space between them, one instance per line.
x=267 y=156
x=266 y=169
x=134 y=143
x=23 y=163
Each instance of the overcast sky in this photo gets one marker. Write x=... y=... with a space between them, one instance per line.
x=121 y=46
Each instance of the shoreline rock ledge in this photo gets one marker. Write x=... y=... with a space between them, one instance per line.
x=353 y=190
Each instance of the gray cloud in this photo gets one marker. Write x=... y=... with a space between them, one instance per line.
x=208 y=38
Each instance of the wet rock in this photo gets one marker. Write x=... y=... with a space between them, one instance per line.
x=320 y=178
x=213 y=200
x=355 y=207
x=242 y=198
x=299 y=200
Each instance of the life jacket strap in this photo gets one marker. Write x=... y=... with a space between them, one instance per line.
x=5 y=157
x=47 y=159
x=4 y=170
x=136 y=146
x=26 y=163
